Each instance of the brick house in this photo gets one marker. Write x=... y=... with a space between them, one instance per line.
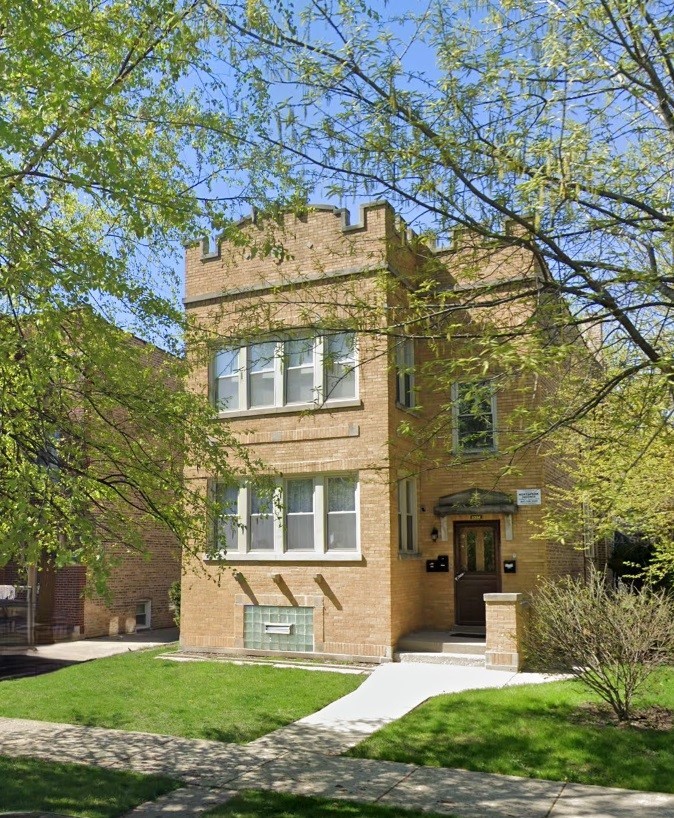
x=361 y=545
x=63 y=609
x=46 y=604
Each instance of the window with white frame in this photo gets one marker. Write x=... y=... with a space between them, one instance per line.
x=143 y=614
x=474 y=417
x=298 y=371
x=405 y=372
x=226 y=382
x=407 y=515
x=303 y=516
x=260 y=521
x=227 y=524
x=342 y=515
x=261 y=367
x=300 y=518
x=340 y=366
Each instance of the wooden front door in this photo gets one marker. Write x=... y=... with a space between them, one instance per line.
x=476 y=560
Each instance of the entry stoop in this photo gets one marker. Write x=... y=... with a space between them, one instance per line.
x=443 y=648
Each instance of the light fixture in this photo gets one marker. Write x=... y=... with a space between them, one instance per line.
x=435 y=534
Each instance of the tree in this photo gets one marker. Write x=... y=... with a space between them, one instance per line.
x=127 y=127
x=558 y=119
x=611 y=640
x=501 y=124
x=106 y=155
x=621 y=457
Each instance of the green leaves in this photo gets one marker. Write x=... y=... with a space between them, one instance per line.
x=105 y=139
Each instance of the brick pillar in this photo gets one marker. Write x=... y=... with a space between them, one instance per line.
x=505 y=627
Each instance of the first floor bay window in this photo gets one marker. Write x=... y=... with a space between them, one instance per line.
x=341 y=522
x=227 y=524
x=302 y=517
x=299 y=515
x=261 y=521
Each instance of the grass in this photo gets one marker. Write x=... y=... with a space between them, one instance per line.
x=73 y=789
x=211 y=700
x=255 y=804
x=537 y=731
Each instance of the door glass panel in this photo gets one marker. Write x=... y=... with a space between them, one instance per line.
x=471 y=551
x=489 y=550
x=477 y=550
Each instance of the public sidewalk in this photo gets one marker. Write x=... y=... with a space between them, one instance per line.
x=212 y=771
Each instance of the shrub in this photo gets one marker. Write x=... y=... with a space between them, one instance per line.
x=610 y=639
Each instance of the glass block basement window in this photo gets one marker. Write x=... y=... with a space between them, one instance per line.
x=275 y=627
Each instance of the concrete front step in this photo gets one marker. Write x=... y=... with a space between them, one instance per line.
x=442 y=642
x=443 y=658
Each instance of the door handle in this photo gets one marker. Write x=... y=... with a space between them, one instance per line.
x=458 y=576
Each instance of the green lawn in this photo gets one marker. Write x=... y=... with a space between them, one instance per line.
x=537 y=731
x=73 y=789
x=256 y=804
x=213 y=700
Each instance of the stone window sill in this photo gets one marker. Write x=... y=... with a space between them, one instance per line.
x=336 y=556
x=328 y=406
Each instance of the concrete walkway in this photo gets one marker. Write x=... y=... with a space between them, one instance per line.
x=292 y=762
x=83 y=650
x=390 y=691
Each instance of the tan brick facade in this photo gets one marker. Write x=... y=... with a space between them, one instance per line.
x=358 y=275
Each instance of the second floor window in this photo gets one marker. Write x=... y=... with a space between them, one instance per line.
x=474 y=417
x=300 y=371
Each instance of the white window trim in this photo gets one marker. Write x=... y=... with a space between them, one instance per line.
x=403 y=368
x=280 y=405
x=455 y=426
x=280 y=552
x=403 y=513
x=148 y=614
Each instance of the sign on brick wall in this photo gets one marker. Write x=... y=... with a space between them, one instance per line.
x=528 y=497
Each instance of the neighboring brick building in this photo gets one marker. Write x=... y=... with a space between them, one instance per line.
x=340 y=564
x=66 y=609
x=65 y=606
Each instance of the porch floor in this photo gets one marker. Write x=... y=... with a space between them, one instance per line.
x=458 y=646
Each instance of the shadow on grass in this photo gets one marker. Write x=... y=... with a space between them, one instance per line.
x=233 y=733
x=73 y=789
x=255 y=804
x=241 y=734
